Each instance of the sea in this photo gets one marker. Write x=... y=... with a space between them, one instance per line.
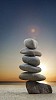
x=23 y=83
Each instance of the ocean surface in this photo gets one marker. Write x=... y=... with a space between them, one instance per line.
x=23 y=83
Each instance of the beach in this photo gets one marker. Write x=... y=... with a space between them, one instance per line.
x=19 y=92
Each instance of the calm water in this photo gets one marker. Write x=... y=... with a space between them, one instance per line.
x=50 y=83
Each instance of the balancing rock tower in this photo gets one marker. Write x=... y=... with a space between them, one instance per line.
x=31 y=69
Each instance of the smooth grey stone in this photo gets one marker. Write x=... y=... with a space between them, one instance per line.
x=38 y=88
x=31 y=60
x=29 y=68
x=30 y=43
x=31 y=76
x=29 y=52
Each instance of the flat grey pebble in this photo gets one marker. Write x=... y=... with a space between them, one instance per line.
x=29 y=68
x=31 y=60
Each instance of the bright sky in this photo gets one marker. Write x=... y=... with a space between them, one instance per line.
x=21 y=19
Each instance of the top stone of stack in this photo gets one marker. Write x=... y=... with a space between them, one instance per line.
x=30 y=43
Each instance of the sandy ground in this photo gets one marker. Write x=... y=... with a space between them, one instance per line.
x=19 y=92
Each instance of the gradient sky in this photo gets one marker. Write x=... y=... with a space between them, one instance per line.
x=17 y=18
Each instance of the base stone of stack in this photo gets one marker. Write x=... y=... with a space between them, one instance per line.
x=38 y=88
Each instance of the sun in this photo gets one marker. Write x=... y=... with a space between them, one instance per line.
x=43 y=68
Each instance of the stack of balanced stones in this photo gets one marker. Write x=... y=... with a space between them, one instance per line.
x=31 y=69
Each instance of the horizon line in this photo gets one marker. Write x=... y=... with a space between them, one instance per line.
x=19 y=81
